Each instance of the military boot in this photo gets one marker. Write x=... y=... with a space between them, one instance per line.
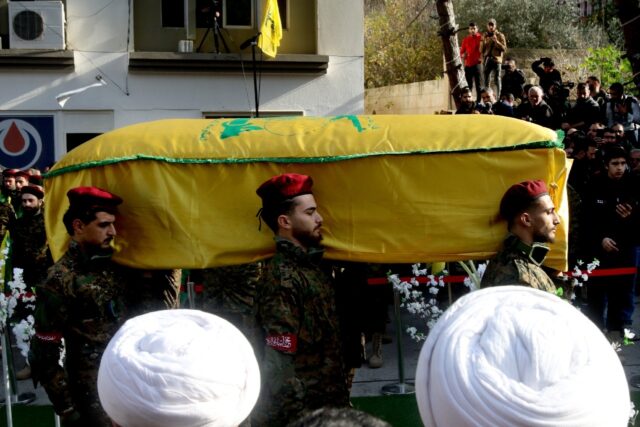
x=375 y=361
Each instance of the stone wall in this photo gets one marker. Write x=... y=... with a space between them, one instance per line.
x=426 y=97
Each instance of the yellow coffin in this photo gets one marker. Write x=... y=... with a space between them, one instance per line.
x=390 y=188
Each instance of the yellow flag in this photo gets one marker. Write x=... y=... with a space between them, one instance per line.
x=271 y=30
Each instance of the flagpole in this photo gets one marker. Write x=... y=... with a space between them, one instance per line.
x=254 y=44
x=253 y=41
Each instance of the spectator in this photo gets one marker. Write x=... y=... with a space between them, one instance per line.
x=506 y=105
x=581 y=171
x=488 y=101
x=595 y=133
x=623 y=109
x=546 y=71
x=494 y=45
x=470 y=53
x=513 y=79
x=557 y=98
x=584 y=112
x=635 y=161
x=536 y=110
x=613 y=219
x=597 y=93
x=467 y=104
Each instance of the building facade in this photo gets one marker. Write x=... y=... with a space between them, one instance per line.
x=141 y=60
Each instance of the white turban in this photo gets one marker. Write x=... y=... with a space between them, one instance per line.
x=517 y=356
x=178 y=368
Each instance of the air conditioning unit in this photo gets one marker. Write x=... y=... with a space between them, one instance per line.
x=36 y=25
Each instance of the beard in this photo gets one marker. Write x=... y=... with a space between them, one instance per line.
x=308 y=239
x=30 y=211
x=544 y=238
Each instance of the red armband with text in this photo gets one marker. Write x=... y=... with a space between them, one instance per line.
x=55 y=337
x=286 y=343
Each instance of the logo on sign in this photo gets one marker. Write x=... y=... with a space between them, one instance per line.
x=20 y=144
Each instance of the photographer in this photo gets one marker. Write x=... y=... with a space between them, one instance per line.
x=513 y=79
x=546 y=71
x=494 y=45
x=557 y=98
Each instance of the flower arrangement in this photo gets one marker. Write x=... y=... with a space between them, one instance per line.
x=424 y=303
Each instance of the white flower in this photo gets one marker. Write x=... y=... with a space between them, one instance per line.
x=628 y=334
x=63 y=353
x=394 y=279
x=23 y=332
x=415 y=268
x=433 y=290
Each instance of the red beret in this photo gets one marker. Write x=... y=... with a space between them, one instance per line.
x=283 y=187
x=519 y=196
x=23 y=174
x=10 y=172
x=36 y=190
x=92 y=196
x=35 y=179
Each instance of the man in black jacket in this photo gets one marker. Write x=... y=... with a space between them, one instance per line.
x=614 y=221
x=546 y=71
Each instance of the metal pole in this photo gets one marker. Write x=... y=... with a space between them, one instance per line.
x=254 y=43
x=191 y=294
x=401 y=387
x=5 y=375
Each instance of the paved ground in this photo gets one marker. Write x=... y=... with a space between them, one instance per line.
x=369 y=382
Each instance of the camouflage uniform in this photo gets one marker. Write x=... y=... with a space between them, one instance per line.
x=30 y=251
x=85 y=300
x=511 y=266
x=7 y=214
x=229 y=292
x=302 y=367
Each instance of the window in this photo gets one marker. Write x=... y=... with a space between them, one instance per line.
x=76 y=139
x=284 y=13
x=229 y=13
x=172 y=13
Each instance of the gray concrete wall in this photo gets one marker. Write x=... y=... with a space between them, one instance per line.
x=426 y=97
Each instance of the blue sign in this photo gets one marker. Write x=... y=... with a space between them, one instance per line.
x=26 y=142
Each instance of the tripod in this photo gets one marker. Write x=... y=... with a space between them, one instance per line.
x=215 y=28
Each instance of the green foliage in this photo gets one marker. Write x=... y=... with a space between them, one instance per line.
x=401 y=45
x=542 y=24
x=605 y=63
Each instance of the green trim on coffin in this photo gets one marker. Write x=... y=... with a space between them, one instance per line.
x=530 y=145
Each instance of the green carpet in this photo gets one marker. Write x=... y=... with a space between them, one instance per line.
x=399 y=411
x=29 y=416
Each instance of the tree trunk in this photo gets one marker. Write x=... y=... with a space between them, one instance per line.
x=629 y=14
x=453 y=63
